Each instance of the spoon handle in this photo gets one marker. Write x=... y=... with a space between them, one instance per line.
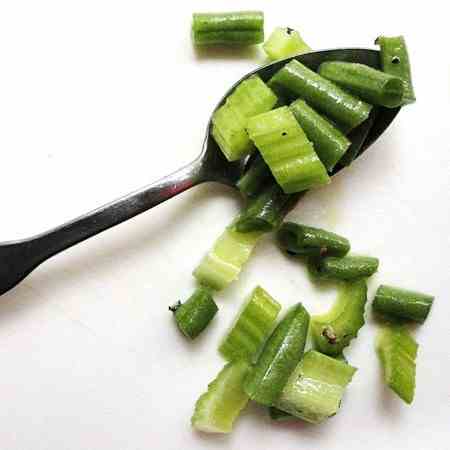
x=19 y=258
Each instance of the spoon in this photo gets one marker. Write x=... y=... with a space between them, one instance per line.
x=19 y=258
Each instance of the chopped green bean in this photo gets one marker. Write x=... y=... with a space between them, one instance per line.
x=193 y=316
x=297 y=80
x=266 y=211
x=278 y=415
x=309 y=241
x=285 y=42
x=397 y=303
x=345 y=268
x=373 y=86
x=257 y=177
x=286 y=150
x=281 y=353
x=334 y=330
x=395 y=61
x=330 y=144
x=230 y=28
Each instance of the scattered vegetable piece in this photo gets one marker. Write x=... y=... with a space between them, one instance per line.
x=251 y=328
x=281 y=353
x=330 y=144
x=286 y=150
x=193 y=316
x=297 y=80
x=315 y=388
x=395 y=61
x=278 y=415
x=345 y=268
x=224 y=262
x=257 y=177
x=228 y=28
x=217 y=409
x=266 y=211
x=310 y=241
x=397 y=303
x=251 y=97
x=397 y=351
x=373 y=86
x=334 y=330
x=285 y=42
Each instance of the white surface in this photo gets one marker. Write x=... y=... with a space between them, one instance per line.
x=100 y=97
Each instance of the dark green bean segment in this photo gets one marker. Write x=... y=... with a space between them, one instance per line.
x=358 y=137
x=346 y=268
x=193 y=316
x=395 y=61
x=257 y=177
x=330 y=144
x=231 y=28
x=296 y=80
x=279 y=415
x=374 y=86
x=396 y=303
x=281 y=353
x=266 y=211
x=303 y=240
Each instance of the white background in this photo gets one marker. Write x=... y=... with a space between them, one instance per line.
x=100 y=97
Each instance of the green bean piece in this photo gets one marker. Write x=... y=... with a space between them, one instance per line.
x=229 y=28
x=281 y=353
x=257 y=177
x=395 y=61
x=297 y=80
x=285 y=42
x=266 y=211
x=397 y=303
x=193 y=316
x=373 y=86
x=279 y=415
x=330 y=143
x=346 y=268
x=309 y=241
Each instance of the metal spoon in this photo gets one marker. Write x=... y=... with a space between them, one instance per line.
x=19 y=258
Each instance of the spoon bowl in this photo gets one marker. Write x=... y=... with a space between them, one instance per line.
x=19 y=258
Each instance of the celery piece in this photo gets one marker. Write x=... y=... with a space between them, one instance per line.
x=217 y=409
x=251 y=328
x=286 y=150
x=334 y=330
x=397 y=351
x=285 y=42
x=315 y=388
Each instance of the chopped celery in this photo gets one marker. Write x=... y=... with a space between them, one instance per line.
x=315 y=388
x=285 y=42
x=193 y=316
x=395 y=61
x=346 y=268
x=399 y=303
x=286 y=150
x=334 y=330
x=296 y=80
x=217 y=409
x=309 y=241
x=397 y=351
x=373 y=86
x=329 y=142
x=266 y=211
x=224 y=262
x=230 y=28
x=280 y=354
x=249 y=98
x=251 y=328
